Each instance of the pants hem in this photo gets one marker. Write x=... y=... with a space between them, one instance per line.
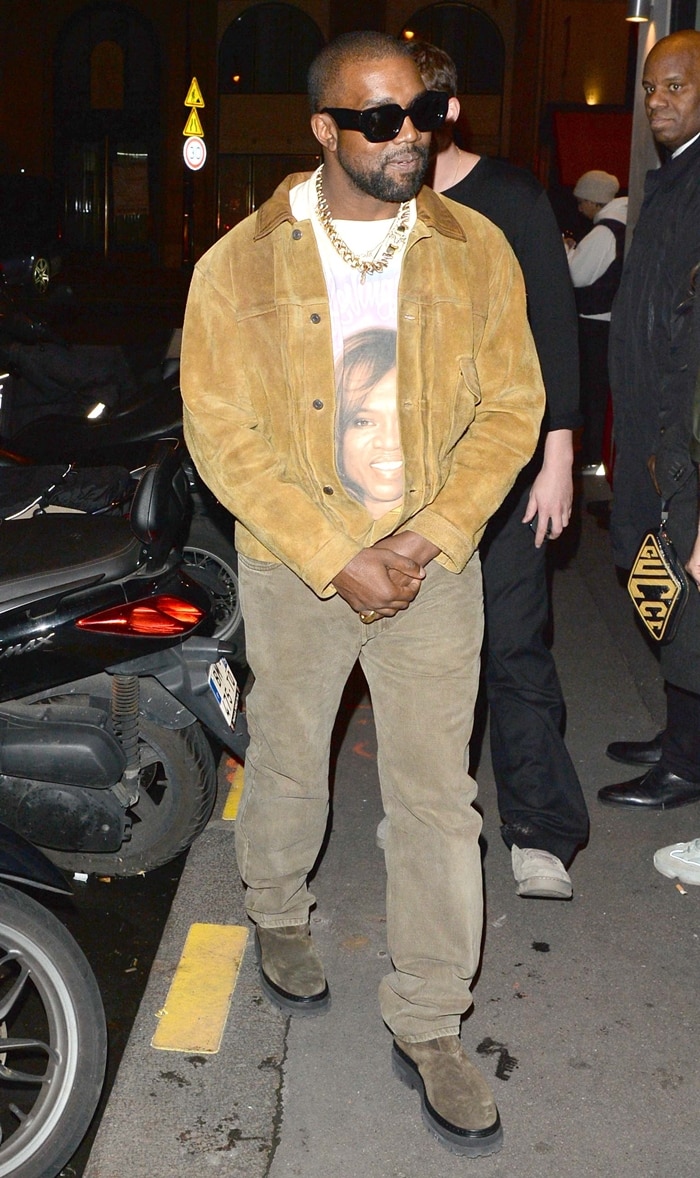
x=427 y=1036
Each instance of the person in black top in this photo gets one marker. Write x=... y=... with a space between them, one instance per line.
x=543 y=811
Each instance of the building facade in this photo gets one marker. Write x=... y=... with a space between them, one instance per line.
x=94 y=95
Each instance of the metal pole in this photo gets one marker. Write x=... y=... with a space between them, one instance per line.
x=106 y=200
x=187 y=186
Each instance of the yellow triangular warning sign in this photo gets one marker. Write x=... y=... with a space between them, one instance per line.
x=193 y=125
x=194 y=95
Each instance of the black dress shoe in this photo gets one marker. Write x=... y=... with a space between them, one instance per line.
x=636 y=752
x=658 y=789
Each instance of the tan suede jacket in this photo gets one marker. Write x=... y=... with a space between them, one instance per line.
x=259 y=399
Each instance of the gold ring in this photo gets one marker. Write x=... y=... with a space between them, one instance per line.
x=368 y=615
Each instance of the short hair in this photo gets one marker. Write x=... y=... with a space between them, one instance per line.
x=437 y=69
x=366 y=45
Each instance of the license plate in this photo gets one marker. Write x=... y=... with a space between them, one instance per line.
x=223 y=684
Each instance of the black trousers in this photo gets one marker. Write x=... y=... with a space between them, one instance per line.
x=593 y=337
x=680 y=744
x=539 y=794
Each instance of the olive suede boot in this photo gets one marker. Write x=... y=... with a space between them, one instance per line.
x=457 y=1104
x=291 y=972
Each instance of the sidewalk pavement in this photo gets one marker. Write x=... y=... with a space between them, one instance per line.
x=586 y=1013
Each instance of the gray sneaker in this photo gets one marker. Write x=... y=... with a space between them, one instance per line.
x=540 y=875
x=680 y=861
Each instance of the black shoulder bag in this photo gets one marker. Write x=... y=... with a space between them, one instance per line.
x=658 y=583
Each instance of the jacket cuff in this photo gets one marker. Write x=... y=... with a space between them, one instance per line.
x=455 y=547
x=327 y=563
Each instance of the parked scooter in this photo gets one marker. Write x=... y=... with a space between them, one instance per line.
x=41 y=374
x=124 y=436
x=54 y=1037
x=112 y=685
x=27 y=490
x=49 y=387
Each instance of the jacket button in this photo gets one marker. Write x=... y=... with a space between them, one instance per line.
x=318 y=404
x=315 y=318
x=297 y=234
x=327 y=490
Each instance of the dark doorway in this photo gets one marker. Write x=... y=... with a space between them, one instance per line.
x=107 y=129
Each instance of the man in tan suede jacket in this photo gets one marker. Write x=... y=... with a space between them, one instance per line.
x=361 y=390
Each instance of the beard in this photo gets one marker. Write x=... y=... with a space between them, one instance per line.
x=375 y=182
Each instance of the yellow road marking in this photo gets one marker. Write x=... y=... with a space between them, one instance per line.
x=234 y=776
x=195 y=1012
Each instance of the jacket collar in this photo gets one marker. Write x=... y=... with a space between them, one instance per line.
x=431 y=208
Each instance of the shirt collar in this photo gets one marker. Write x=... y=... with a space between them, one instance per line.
x=683 y=147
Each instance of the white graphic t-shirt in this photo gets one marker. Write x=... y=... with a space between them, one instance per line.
x=368 y=451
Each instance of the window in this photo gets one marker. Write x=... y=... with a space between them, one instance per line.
x=107 y=76
x=107 y=80
x=472 y=40
x=245 y=181
x=268 y=50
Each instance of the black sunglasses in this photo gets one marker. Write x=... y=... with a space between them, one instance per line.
x=379 y=124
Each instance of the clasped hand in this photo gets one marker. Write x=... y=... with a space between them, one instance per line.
x=384 y=578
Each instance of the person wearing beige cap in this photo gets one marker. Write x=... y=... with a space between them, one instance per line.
x=596 y=188
x=595 y=265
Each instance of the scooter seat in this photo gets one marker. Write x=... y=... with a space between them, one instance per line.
x=50 y=552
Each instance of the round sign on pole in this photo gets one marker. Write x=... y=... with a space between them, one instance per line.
x=194 y=152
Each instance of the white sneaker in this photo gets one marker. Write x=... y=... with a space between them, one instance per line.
x=680 y=861
x=540 y=875
x=381 y=833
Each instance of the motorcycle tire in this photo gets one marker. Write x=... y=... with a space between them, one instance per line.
x=177 y=795
x=212 y=561
x=51 y=1003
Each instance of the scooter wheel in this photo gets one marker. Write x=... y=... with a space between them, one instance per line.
x=53 y=1039
x=177 y=792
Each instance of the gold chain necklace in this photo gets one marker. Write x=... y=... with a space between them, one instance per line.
x=394 y=238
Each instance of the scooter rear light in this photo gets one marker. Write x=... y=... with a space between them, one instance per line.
x=156 y=617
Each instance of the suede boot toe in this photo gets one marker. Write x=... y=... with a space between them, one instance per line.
x=456 y=1102
x=291 y=971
